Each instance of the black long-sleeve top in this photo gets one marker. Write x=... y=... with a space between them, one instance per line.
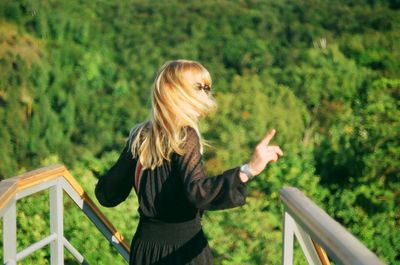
x=176 y=191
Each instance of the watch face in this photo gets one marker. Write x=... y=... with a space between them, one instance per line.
x=245 y=169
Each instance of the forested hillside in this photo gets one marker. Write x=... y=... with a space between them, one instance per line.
x=75 y=77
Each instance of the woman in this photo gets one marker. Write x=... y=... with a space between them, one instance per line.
x=162 y=161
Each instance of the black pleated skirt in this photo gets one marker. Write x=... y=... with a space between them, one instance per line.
x=156 y=242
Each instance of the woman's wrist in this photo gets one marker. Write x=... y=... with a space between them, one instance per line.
x=246 y=172
x=243 y=177
x=251 y=168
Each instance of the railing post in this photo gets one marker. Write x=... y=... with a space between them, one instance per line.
x=306 y=244
x=10 y=235
x=288 y=236
x=56 y=224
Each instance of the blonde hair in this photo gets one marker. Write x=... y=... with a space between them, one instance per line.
x=175 y=104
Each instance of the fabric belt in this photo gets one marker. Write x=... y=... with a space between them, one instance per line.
x=161 y=232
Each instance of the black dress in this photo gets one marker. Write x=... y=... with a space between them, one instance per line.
x=171 y=198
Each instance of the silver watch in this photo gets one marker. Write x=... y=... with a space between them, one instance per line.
x=246 y=170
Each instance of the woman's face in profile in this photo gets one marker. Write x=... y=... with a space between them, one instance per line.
x=203 y=95
x=197 y=83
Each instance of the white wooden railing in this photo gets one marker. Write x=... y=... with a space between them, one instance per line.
x=319 y=235
x=58 y=180
x=317 y=232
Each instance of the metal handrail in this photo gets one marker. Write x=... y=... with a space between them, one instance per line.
x=340 y=245
x=58 y=179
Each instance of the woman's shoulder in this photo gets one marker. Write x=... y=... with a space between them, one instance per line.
x=191 y=140
x=192 y=135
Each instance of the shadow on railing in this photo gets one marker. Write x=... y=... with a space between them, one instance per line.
x=57 y=179
x=317 y=232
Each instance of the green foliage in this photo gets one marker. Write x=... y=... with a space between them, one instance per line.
x=367 y=186
x=75 y=78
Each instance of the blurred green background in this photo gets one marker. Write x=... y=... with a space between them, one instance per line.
x=75 y=77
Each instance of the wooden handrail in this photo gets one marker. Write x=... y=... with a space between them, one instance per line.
x=7 y=191
x=11 y=186
x=321 y=253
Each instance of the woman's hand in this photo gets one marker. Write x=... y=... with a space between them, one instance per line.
x=264 y=154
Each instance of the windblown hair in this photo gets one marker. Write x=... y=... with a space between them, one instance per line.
x=175 y=105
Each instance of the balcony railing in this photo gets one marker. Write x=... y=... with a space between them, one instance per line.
x=317 y=232
x=57 y=179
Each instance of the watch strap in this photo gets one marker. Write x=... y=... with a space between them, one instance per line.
x=246 y=170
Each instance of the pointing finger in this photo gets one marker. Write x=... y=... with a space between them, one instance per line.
x=268 y=137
